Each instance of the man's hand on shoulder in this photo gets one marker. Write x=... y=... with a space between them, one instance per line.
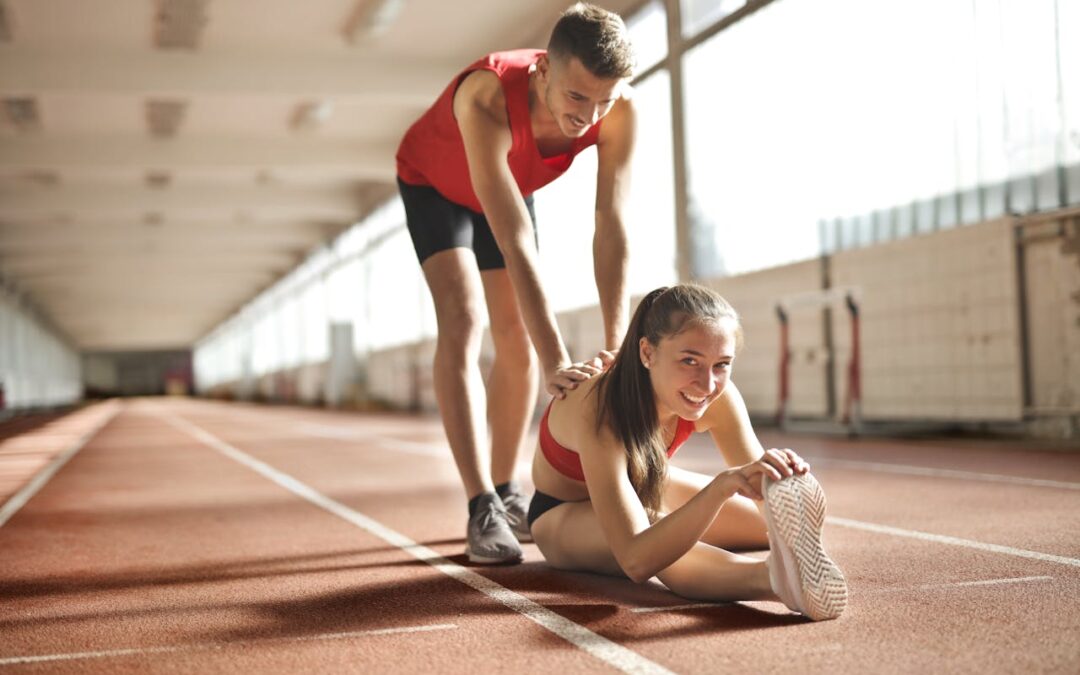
x=566 y=377
x=606 y=357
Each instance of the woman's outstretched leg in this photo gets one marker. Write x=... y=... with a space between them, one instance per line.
x=570 y=538
x=797 y=573
x=739 y=526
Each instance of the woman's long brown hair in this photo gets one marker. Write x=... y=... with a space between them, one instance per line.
x=627 y=402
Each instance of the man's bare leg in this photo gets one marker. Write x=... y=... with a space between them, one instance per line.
x=513 y=382
x=456 y=288
x=512 y=387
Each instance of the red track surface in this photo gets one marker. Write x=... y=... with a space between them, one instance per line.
x=151 y=539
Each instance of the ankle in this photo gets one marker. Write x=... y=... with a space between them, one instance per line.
x=510 y=487
x=764 y=586
x=475 y=501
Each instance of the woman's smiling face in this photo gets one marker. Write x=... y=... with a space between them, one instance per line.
x=690 y=369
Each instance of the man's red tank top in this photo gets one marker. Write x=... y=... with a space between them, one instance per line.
x=433 y=153
x=568 y=463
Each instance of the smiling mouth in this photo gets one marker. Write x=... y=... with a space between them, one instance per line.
x=692 y=400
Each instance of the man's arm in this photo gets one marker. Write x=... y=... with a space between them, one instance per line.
x=487 y=141
x=615 y=150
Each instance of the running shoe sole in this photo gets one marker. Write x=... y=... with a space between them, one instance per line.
x=795 y=514
x=485 y=560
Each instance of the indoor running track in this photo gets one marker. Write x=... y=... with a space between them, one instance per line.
x=178 y=535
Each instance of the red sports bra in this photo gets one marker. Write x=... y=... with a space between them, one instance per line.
x=568 y=463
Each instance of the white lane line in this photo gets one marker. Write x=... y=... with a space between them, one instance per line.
x=987 y=582
x=672 y=608
x=910 y=470
x=953 y=541
x=384 y=442
x=210 y=646
x=609 y=652
x=12 y=506
x=960 y=584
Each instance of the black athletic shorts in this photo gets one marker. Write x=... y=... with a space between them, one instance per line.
x=436 y=224
x=541 y=503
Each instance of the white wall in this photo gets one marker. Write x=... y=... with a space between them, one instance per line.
x=940 y=325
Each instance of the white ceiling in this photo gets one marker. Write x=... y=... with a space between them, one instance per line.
x=117 y=262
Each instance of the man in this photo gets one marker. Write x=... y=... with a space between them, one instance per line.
x=509 y=124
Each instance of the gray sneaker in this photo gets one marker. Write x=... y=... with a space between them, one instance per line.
x=517 y=514
x=490 y=540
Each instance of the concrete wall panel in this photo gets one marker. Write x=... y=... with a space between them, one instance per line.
x=940 y=325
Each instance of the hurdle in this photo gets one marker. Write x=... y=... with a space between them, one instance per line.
x=850 y=417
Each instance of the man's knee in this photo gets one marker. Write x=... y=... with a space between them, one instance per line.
x=461 y=326
x=512 y=343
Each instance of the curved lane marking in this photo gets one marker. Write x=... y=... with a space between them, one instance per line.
x=611 y=653
x=910 y=470
x=952 y=541
x=19 y=499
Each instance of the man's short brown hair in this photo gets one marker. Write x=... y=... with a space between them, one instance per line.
x=597 y=38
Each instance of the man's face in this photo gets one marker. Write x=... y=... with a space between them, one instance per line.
x=576 y=98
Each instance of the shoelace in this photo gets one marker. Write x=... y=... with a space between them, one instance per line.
x=514 y=499
x=486 y=519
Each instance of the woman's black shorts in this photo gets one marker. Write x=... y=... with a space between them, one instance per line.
x=541 y=503
x=436 y=224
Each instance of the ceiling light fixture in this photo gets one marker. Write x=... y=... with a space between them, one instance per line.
x=42 y=177
x=158 y=179
x=371 y=18
x=22 y=113
x=311 y=115
x=179 y=23
x=5 y=24
x=163 y=117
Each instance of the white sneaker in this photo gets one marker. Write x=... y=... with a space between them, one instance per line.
x=802 y=575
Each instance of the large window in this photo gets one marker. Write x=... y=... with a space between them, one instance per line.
x=1068 y=61
x=37 y=367
x=809 y=124
x=899 y=118
x=648 y=33
x=698 y=15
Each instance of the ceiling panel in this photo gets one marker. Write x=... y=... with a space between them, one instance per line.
x=286 y=24
x=206 y=219
x=239 y=115
x=67 y=24
x=92 y=114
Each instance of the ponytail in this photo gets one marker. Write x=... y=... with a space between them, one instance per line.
x=627 y=406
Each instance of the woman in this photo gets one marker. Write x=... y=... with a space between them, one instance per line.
x=608 y=502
